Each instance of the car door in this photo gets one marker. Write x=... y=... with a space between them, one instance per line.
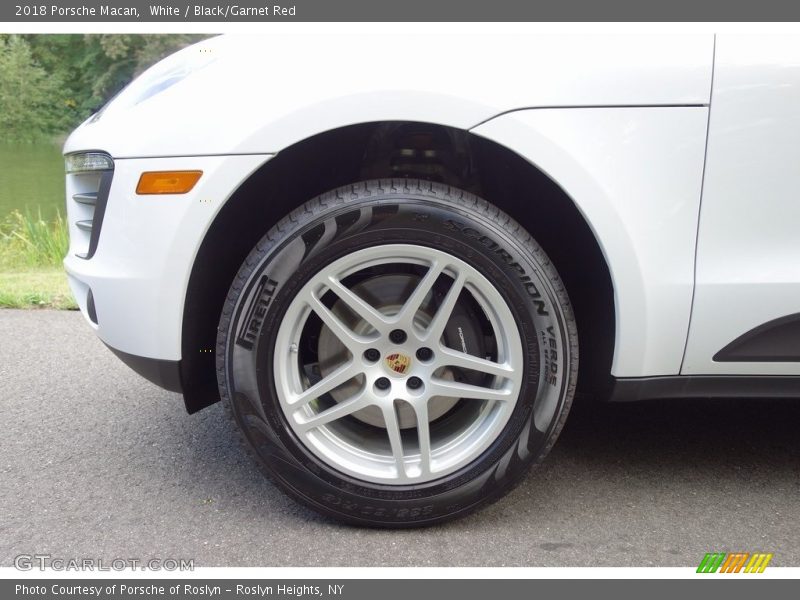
x=746 y=309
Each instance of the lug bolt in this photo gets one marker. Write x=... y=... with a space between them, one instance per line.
x=371 y=354
x=398 y=336
x=424 y=354
x=414 y=383
x=383 y=383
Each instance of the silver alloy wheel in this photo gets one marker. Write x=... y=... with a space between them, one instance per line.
x=394 y=454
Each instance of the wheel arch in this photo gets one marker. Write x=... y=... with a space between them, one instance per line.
x=374 y=150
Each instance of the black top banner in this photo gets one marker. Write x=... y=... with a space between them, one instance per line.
x=119 y=11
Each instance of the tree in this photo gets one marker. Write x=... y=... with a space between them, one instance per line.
x=32 y=102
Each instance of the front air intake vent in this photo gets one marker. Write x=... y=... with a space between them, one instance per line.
x=87 y=194
x=89 y=198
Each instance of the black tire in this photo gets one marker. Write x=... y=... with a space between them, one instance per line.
x=410 y=212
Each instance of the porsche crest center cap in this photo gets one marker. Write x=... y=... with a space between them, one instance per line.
x=398 y=363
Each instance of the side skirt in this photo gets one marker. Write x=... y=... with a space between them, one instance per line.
x=705 y=386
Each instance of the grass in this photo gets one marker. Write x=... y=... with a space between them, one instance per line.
x=28 y=241
x=40 y=288
x=31 y=250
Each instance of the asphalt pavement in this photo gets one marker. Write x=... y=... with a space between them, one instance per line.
x=97 y=462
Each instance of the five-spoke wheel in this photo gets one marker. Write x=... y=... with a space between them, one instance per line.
x=417 y=366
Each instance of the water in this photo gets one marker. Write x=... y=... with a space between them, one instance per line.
x=31 y=178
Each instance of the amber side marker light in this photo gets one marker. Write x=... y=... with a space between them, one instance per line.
x=167 y=182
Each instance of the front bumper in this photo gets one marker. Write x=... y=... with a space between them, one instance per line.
x=164 y=373
x=132 y=289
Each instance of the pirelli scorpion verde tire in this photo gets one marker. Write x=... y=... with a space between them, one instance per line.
x=397 y=353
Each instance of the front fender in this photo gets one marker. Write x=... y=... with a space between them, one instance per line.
x=635 y=174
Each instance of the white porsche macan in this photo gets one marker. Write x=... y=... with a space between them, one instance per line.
x=385 y=257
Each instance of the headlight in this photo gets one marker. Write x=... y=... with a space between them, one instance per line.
x=161 y=76
x=88 y=161
x=165 y=81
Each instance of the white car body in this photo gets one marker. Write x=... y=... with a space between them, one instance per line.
x=679 y=151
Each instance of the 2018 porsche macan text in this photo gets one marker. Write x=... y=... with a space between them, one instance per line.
x=387 y=274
